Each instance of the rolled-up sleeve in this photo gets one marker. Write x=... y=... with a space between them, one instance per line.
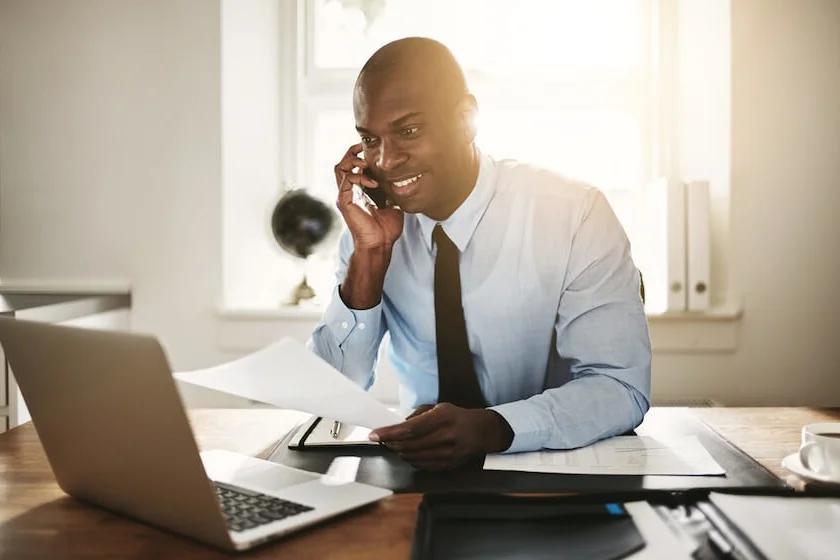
x=602 y=334
x=349 y=338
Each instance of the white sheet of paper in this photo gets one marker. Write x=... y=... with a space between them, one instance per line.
x=785 y=528
x=288 y=375
x=637 y=455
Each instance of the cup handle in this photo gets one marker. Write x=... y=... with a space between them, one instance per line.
x=806 y=452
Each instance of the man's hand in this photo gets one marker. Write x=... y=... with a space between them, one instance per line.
x=374 y=232
x=372 y=228
x=445 y=436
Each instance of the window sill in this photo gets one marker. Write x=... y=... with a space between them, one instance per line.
x=714 y=330
x=284 y=312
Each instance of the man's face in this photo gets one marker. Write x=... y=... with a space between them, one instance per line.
x=414 y=143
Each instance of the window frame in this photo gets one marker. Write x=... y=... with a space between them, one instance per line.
x=245 y=320
x=318 y=90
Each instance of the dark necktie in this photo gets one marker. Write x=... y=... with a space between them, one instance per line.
x=456 y=373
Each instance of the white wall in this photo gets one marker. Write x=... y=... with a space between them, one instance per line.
x=110 y=156
x=784 y=212
x=254 y=165
x=703 y=142
x=110 y=168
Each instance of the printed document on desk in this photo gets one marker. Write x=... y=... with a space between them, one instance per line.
x=634 y=455
x=288 y=375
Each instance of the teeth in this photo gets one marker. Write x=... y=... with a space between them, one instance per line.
x=407 y=181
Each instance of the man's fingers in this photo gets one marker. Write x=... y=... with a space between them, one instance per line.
x=345 y=196
x=413 y=428
x=351 y=154
x=349 y=179
x=360 y=179
x=351 y=159
x=348 y=164
x=435 y=439
x=354 y=166
x=353 y=150
x=420 y=410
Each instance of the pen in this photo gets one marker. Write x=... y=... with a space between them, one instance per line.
x=335 y=429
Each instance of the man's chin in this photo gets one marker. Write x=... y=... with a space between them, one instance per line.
x=409 y=206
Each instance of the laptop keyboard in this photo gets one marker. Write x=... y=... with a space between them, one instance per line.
x=244 y=509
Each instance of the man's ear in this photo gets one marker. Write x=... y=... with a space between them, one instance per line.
x=469 y=112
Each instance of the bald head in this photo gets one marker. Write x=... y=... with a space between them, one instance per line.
x=424 y=60
x=414 y=117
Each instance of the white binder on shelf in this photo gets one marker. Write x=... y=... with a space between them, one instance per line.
x=698 y=220
x=665 y=276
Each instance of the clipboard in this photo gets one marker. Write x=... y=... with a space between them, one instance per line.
x=317 y=433
x=382 y=467
x=456 y=526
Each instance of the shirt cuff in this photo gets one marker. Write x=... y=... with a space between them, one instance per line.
x=529 y=432
x=363 y=324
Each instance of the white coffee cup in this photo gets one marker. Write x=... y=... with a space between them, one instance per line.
x=820 y=449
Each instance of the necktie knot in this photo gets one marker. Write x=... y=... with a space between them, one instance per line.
x=440 y=238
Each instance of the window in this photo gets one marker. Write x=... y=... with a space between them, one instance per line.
x=575 y=86
x=560 y=83
x=565 y=84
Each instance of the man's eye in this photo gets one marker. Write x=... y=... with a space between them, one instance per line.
x=367 y=140
x=409 y=131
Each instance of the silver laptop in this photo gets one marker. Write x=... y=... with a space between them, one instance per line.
x=108 y=413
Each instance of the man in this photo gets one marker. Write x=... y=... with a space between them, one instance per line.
x=556 y=352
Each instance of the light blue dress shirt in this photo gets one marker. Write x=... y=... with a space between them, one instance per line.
x=555 y=321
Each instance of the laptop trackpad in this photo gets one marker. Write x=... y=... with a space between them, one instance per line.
x=241 y=470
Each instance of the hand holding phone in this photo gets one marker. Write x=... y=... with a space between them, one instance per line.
x=359 y=197
x=374 y=195
x=377 y=196
x=373 y=225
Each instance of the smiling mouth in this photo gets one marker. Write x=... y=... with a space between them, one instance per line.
x=406 y=182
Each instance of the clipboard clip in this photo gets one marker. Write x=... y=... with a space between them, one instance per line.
x=336 y=428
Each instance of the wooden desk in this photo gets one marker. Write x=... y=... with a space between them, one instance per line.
x=37 y=520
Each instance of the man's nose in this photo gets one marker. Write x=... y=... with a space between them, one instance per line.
x=391 y=156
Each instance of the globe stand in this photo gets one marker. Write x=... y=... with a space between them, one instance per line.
x=301 y=292
x=300 y=224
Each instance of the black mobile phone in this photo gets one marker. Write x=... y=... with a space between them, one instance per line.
x=376 y=195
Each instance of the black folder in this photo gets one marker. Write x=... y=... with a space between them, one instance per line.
x=474 y=527
x=459 y=526
x=380 y=467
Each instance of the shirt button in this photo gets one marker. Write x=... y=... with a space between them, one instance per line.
x=361 y=326
x=344 y=324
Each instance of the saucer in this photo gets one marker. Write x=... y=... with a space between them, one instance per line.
x=794 y=465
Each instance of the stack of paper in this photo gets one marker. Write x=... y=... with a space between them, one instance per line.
x=288 y=375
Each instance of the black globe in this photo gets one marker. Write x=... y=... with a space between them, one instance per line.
x=301 y=223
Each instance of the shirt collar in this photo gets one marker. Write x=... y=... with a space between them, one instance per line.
x=460 y=226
